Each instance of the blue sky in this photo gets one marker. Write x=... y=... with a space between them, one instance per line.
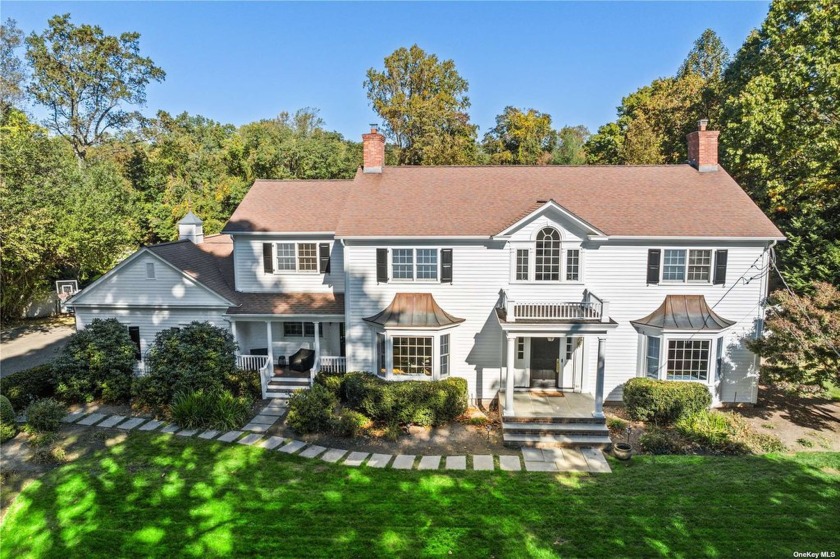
x=237 y=62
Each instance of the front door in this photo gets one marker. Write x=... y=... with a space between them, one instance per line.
x=545 y=355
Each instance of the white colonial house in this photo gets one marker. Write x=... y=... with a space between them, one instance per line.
x=530 y=282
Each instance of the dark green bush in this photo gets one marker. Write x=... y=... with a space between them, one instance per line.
x=44 y=416
x=244 y=383
x=8 y=427
x=96 y=364
x=214 y=409
x=197 y=357
x=417 y=402
x=312 y=411
x=664 y=401
x=24 y=387
x=331 y=381
x=350 y=423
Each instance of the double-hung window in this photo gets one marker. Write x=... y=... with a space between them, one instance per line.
x=296 y=257
x=573 y=265
x=414 y=264
x=444 y=355
x=301 y=330
x=692 y=265
x=652 y=356
x=688 y=359
x=522 y=264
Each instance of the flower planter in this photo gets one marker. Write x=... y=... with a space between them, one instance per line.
x=622 y=451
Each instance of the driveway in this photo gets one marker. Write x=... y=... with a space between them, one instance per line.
x=33 y=344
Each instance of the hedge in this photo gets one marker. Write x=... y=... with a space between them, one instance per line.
x=664 y=401
x=24 y=387
x=8 y=427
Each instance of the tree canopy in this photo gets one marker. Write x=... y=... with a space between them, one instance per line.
x=423 y=102
x=85 y=78
x=12 y=71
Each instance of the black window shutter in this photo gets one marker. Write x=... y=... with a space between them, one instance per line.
x=446 y=265
x=721 y=256
x=134 y=334
x=324 y=257
x=382 y=265
x=268 y=259
x=654 y=256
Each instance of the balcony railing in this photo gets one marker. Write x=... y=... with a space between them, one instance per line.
x=591 y=308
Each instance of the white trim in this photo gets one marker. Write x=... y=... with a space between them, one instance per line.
x=688 y=251
x=290 y=234
x=297 y=271
x=580 y=222
x=414 y=279
x=676 y=238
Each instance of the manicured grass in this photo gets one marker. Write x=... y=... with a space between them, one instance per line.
x=163 y=496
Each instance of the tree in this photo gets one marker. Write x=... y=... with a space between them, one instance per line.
x=84 y=78
x=12 y=73
x=570 y=146
x=521 y=137
x=708 y=58
x=780 y=132
x=424 y=103
x=802 y=341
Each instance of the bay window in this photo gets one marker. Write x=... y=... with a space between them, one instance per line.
x=688 y=359
x=412 y=355
x=652 y=357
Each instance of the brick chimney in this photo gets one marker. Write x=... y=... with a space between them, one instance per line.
x=703 y=148
x=373 y=147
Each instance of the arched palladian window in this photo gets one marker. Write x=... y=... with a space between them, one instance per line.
x=548 y=255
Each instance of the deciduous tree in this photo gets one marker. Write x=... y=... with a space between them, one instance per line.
x=521 y=137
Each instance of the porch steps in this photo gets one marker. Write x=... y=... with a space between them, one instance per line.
x=283 y=387
x=552 y=432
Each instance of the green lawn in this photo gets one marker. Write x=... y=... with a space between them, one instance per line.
x=165 y=496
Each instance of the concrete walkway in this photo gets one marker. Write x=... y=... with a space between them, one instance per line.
x=532 y=460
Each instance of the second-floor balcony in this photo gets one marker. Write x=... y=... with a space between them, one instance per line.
x=590 y=309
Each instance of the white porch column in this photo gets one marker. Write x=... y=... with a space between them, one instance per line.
x=235 y=337
x=599 y=379
x=270 y=349
x=511 y=341
x=317 y=348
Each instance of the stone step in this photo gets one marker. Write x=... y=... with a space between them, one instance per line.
x=592 y=429
x=289 y=380
x=553 y=419
x=282 y=396
x=554 y=441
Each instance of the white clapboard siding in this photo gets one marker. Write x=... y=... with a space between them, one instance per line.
x=151 y=321
x=615 y=271
x=130 y=286
x=251 y=276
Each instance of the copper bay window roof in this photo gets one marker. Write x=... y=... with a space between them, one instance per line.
x=684 y=312
x=413 y=310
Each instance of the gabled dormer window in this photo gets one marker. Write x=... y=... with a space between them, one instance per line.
x=547 y=259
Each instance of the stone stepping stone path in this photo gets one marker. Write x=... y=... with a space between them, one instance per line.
x=590 y=460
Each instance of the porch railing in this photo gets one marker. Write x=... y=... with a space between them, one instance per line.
x=333 y=364
x=590 y=308
x=266 y=371
x=251 y=362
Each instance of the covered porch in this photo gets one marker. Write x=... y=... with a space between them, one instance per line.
x=536 y=404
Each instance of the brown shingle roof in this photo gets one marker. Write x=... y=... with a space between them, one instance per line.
x=289 y=303
x=656 y=200
x=300 y=206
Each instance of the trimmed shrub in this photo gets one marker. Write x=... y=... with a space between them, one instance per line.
x=244 y=383
x=193 y=358
x=331 y=381
x=350 y=423
x=96 y=364
x=24 y=387
x=8 y=427
x=216 y=409
x=44 y=416
x=312 y=411
x=664 y=401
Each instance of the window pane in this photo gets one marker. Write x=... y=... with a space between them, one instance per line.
x=427 y=263
x=673 y=265
x=412 y=356
x=688 y=359
x=522 y=264
x=718 y=357
x=309 y=329
x=573 y=265
x=699 y=265
x=286 y=256
x=402 y=260
x=292 y=329
x=380 y=353
x=307 y=257
x=444 y=355
x=548 y=255
x=652 y=357
x=520 y=348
